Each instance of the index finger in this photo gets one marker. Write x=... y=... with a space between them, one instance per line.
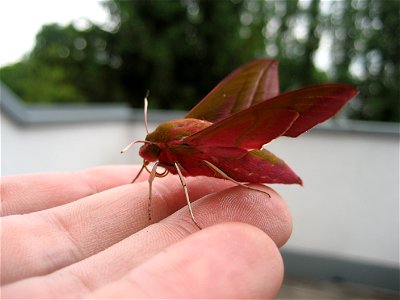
x=33 y=192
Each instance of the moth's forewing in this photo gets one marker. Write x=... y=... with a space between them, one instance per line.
x=248 y=129
x=314 y=104
x=244 y=87
x=289 y=114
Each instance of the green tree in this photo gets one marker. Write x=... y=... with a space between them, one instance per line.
x=84 y=57
x=66 y=65
x=374 y=52
x=38 y=83
x=180 y=49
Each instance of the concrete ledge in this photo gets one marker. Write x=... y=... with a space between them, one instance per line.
x=42 y=114
x=26 y=115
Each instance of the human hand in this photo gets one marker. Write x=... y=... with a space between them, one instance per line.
x=86 y=234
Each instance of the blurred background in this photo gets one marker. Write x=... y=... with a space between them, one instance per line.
x=74 y=73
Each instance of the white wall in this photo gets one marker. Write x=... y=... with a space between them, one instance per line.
x=348 y=207
x=66 y=147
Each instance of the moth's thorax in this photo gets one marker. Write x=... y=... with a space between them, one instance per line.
x=169 y=132
x=176 y=130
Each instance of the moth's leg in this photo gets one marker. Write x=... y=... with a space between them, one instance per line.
x=186 y=193
x=224 y=175
x=145 y=163
x=150 y=180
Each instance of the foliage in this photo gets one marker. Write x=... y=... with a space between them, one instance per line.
x=36 y=83
x=366 y=53
x=72 y=63
x=179 y=50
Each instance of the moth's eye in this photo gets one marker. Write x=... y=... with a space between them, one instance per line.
x=150 y=152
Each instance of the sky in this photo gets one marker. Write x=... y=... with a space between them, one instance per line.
x=21 y=20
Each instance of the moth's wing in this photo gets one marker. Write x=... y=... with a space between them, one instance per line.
x=289 y=114
x=258 y=166
x=249 y=129
x=314 y=104
x=244 y=87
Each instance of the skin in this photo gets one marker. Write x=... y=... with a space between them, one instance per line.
x=86 y=235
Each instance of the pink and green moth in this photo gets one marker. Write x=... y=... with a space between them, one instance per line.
x=223 y=135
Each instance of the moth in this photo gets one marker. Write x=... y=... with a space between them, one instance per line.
x=223 y=135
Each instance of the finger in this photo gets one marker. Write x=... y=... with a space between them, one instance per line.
x=269 y=213
x=240 y=204
x=223 y=261
x=51 y=239
x=226 y=260
x=28 y=193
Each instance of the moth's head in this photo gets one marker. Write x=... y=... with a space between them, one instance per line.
x=150 y=151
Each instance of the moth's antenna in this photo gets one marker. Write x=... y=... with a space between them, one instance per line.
x=132 y=143
x=146 y=104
